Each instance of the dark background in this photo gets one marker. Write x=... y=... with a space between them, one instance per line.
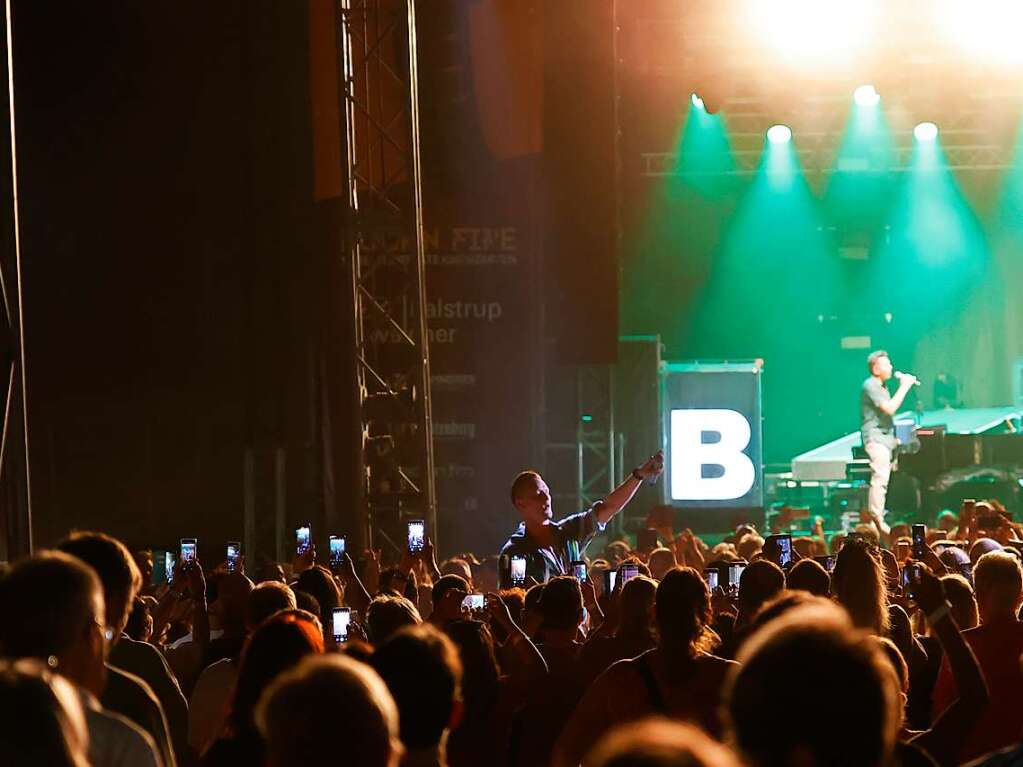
x=184 y=295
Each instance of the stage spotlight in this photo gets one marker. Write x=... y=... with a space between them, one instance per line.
x=986 y=29
x=866 y=96
x=779 y=134
x=925 y=132
x=824 y=30
x=697 y=102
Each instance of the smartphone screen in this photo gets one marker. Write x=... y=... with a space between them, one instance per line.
x=628 y=572
x=827 y=562
x=337 y=549
x=919 y=541
x=712 y=577
x=416 y=535
x=783 y=546
x=161 y=568
x=302 y=537
x=910 y=577
x=189 y=548
x=472 y=603
x=610 y=578
x=341 y=616
x=579 y=571
x=234 y=550
x=735 y=571
x=168 y=564
x=518 y=570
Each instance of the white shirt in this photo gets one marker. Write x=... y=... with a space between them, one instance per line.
x=115 y=741
x=207 y=709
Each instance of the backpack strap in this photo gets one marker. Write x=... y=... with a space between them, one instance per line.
x=653 y=692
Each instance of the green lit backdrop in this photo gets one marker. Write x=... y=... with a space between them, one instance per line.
x=800 y=266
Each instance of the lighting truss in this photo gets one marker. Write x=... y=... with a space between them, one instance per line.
x=384 y=249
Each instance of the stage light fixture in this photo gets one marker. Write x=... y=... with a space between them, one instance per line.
x=986 y=29
x=779 y=134
x=697 y=102
x=824 y=30
x=925 y=131
x=866 y=96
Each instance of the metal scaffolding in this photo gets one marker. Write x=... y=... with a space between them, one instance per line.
x=15 y=504
x=384 y=249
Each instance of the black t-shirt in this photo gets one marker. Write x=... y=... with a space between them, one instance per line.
x=877 y=425
x=571 y=536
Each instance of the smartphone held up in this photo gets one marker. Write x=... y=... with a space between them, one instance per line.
x=341 y=617
x=303 y=538
x=416 y=536
x=337 y=550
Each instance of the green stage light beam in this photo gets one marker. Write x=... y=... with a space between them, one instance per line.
x=1006 y=247
x=933 y=270
x=765 y=293
x=859 y=190
x=667 y=252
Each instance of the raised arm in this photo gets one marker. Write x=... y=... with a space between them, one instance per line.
x=617 y=499
x=891 y=406
x=529 y=658
x=356 y=595
x=951 y=728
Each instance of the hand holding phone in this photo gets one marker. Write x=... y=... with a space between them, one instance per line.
x=827 y=562
x=735 y=571
x=919 y=542
x=189 y=550
x=610 y=581
x=518 y=570
x=712 y=576
x=168 y=565
x=778 y=548
x=341 y=618
x=416 y=535
x=627 y=572
x=579 y=571
x=303 y=538
x=337 y=550
x=910 y=578
x=473 y=603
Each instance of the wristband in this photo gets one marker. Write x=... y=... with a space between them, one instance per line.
x=636 y=475
x=938 y=614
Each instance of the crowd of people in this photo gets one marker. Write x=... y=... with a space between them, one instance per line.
x=867 y=648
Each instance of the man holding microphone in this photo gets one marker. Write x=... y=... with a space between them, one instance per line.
x=877 y=411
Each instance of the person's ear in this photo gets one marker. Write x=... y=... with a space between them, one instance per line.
x=457 y=711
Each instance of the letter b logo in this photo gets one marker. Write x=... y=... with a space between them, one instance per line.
x=716 y=470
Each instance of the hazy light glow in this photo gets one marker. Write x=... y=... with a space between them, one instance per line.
x=867 y=96
x=925 y=132
x=823 y=29
x=987 y=29
x=779 y=134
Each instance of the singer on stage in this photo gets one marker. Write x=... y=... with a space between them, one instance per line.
x=877 y=410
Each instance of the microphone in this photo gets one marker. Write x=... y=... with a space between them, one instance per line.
x=900 y=375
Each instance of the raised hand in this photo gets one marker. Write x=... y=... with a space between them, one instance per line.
x=305 y=560
x=653 y=467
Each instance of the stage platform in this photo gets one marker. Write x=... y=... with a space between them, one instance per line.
x=827 y=462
